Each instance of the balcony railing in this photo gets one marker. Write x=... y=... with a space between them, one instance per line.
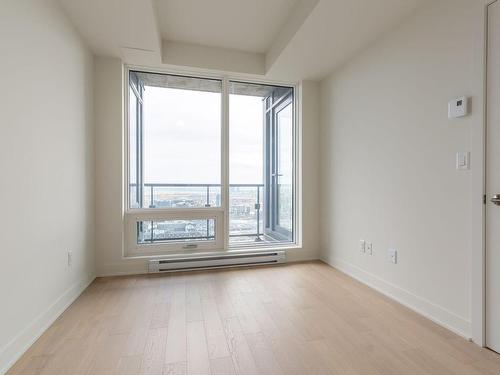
x=243 y=199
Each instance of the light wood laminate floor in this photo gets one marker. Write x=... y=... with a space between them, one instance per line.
x=299 y=319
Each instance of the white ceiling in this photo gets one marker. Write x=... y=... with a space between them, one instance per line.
x=244 y=25
x=111 y=25
x=336 y=30
x=287 y=40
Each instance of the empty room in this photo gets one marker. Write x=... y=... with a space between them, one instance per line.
x=250 y=187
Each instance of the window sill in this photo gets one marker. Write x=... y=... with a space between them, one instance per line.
x=194 y=253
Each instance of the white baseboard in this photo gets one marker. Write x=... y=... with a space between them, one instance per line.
x=422 y=306
x=135 y=267
x=13 y=350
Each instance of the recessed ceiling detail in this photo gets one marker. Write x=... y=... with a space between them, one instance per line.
x=244 y=25
x=286 y=40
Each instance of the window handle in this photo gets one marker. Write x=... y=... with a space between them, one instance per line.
x=496 y=199
x=190 y=246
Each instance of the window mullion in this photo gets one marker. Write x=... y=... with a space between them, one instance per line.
x=225 y=158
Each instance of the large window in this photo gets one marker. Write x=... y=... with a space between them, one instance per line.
x=211 y=164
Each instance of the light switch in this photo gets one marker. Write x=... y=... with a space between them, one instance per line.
x=462 y=160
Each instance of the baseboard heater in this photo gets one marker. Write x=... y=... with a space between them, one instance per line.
x=216 y=261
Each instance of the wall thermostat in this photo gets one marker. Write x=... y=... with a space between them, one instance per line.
x=458 y=107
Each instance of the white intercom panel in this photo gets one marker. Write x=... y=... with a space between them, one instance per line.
x=458 y=107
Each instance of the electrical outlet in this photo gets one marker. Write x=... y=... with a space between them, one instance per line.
x=70 y=258
x=369 y=248
x=362 y=245
x=393 y=256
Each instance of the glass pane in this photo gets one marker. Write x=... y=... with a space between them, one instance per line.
x=164 y=231
x=133 y=143
x=245 y=219
x=246 y=161
x=181 y=141
x=181 y=196
x=285 y=170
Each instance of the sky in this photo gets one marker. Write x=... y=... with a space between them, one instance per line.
x=182 y=137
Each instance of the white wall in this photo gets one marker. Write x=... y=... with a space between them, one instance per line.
x=309 y=117
x=109 y=169
x=388 y=161
x=109 y=172
x=46 y=164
